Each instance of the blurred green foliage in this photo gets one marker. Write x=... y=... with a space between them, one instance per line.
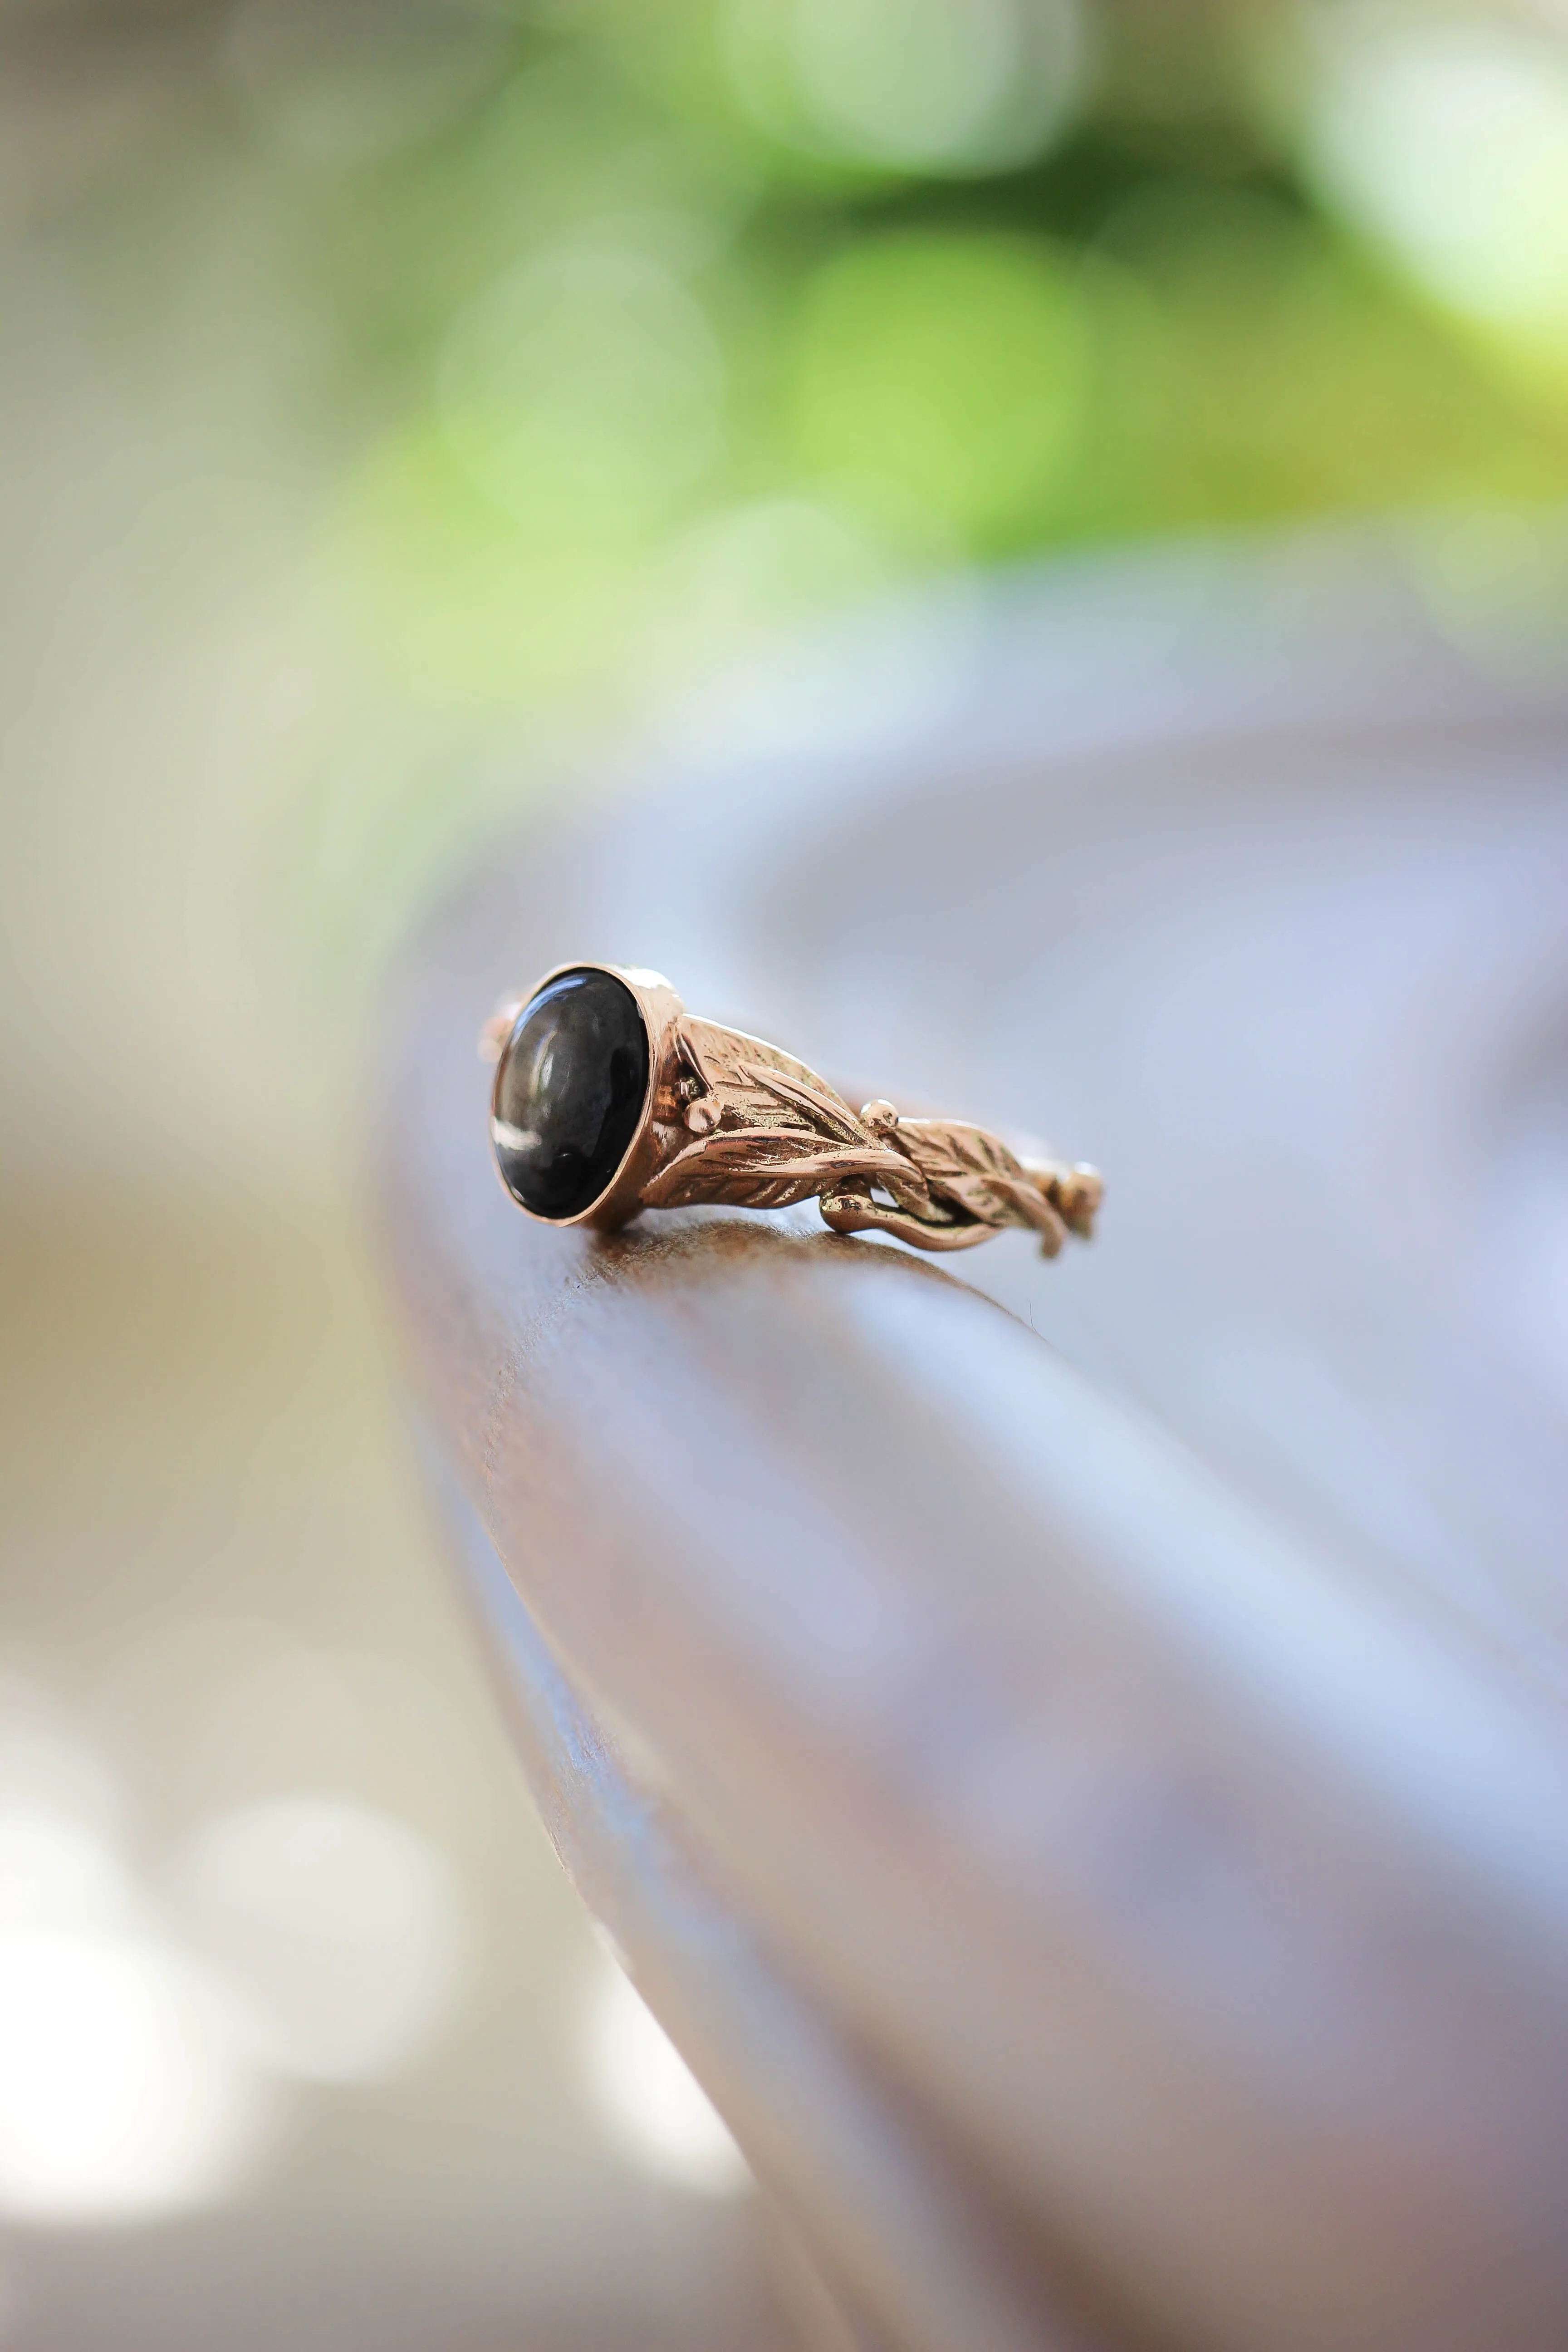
x=740 y=309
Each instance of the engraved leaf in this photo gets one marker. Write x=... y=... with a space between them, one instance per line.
x=752 y=1188
x=977 y=1173
x=753 y=1084
x=760 y=1168
x=952 y=1148
x=827 y=1111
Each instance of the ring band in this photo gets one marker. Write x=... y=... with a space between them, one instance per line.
x=610 y=1099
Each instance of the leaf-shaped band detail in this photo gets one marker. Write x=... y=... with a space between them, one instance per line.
x=766 y=1131
x=737 y=1164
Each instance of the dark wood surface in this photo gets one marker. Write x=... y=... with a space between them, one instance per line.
x=1074 y=1753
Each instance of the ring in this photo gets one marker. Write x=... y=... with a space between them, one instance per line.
x=610 y=1099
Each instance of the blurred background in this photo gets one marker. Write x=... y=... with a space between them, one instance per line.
x=405 y=407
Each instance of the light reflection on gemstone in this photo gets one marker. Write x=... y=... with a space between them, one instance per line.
x=571 y=1090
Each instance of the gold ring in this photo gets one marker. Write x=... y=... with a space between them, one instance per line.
x=610 y=1099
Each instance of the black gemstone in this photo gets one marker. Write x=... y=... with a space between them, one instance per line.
x=569 y=1092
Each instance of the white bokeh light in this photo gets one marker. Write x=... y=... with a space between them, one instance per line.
x=652 y=2107
x=583 y=392
x=728 y=588
x=307 y=1937
x=909 y=81
x=123 y=2095
x=121 y=2098
x=56 y=1872
x=1446 y=139
x=954 y=86
x=338 y=1930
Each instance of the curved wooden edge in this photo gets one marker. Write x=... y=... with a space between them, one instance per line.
x=1055 y=1781
x=881 y=2211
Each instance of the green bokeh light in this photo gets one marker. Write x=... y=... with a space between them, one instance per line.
x=633 y=290
x=943 y=376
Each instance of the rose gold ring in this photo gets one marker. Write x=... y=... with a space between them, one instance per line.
x=610 y=1099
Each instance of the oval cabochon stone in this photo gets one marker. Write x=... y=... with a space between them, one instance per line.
x=569 y=1092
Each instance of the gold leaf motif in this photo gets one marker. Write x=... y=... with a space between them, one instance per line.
x=977 y=1173
x=825 y=1111
x=762 y=1167
x=779 y=1134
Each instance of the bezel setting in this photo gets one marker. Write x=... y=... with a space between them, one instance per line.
x=661 y=1010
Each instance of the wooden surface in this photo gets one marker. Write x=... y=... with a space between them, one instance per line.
x=1081 y=1770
